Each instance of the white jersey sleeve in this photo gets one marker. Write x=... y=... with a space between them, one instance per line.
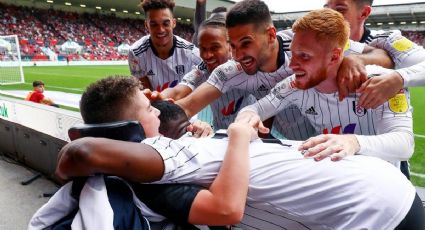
x=136 y=69
x=407 y=56
x=198 y=75
x=394 y=139
x=225 y=76
x=353 y=47
x=281 y=96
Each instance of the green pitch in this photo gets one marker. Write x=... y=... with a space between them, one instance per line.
x=74 y=79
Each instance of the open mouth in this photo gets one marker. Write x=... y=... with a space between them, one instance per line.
x=247 y=62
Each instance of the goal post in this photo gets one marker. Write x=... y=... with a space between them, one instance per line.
x=11 y=71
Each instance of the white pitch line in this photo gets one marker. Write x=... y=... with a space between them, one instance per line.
x=417 y=174
x=419 y=135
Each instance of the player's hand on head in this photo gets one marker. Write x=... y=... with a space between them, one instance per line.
x=351 y=74
x=253 y=120
x=156 y=96
x=330 y=145
x=200 y=129
x=378 y=89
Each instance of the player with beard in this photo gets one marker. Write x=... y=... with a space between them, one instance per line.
x=261 y=58
x=347 y=128
x=214 y=50
x=159 y=60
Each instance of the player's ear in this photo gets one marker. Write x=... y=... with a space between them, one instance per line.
x=173 y=23
x=337 y=52
x=271 y=33
x=146 y=25
x=366 y=12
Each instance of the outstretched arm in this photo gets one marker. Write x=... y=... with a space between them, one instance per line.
x=199 y=99
x=87 y=156
x=224 y=202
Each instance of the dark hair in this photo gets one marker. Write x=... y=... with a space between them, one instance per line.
x=216 y=19
x=169 y=112
x=220 y=9
x=249 y=12
x=104 y=100
x=148 y=5
x=37 y=83
x=363 y=2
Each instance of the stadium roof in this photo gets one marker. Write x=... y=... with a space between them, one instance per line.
x=389 y=16
x=184 y=8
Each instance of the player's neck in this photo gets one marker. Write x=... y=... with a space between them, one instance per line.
x=356 y=34
x=163 y=52
x=272 y=66
x=330 y=84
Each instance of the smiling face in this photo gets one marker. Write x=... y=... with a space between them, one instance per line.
x=142 y=111
x=160 y=24
x=213 y=46
x=310 y=61
x=249 y=47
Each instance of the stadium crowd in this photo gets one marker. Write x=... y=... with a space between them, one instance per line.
x=42 y=33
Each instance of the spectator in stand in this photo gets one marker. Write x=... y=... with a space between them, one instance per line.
x=37 y=95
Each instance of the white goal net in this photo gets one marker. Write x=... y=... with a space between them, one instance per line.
x=10 y=60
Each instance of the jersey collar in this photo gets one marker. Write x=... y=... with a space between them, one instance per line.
x=171 y=50
x=280 y=55
x=366 y=34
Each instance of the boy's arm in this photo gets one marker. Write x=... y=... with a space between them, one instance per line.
x=131 y=161
x=224 y=202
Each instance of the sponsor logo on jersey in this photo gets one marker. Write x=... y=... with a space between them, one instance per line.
x=167 y=85
x=239 y=67
x=311 y=111
x=358 y=110
x=150 y=73
x=349 y=129
x=399 y=104
x=403 y=44
x=262 y=88
x=228 y=69
x=221 y=75
x=180 y=70
x=232 y=107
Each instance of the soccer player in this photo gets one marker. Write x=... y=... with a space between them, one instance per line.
x=285 y=189
x=408 y=56
x=215 y=50
x=159 y=60
x=385 y=132
x=261 y=59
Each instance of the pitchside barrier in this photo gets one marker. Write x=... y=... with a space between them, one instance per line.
x=33 y=133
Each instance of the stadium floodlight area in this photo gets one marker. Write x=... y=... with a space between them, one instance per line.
x=10 y=60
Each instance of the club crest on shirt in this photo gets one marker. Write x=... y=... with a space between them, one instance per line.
x=358 y=110
x=398 y=103
x=180 y=70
